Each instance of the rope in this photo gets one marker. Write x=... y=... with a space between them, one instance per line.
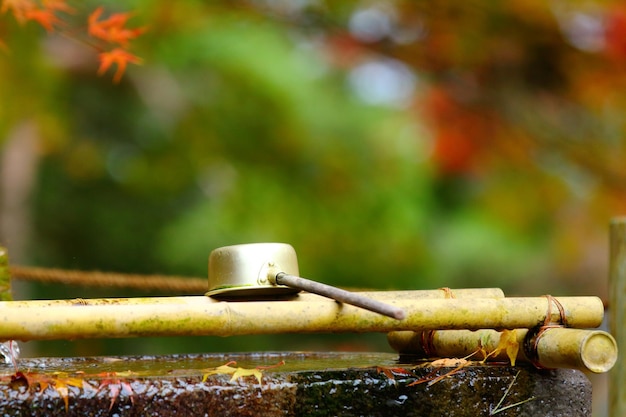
x=162 y=283
x=531 y=341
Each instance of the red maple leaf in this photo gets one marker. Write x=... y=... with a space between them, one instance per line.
x=25 y=10
x=45 y=17
x=117 y=56
x=112 y=29
x=116 y=385
x=59 y=5
x=17 y=7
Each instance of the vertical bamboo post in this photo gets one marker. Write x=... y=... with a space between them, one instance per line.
x=617 y=277
x=5 y=276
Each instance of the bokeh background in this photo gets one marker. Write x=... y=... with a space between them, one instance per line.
x=394 y=144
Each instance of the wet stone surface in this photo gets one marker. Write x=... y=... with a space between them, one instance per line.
x=306 y=384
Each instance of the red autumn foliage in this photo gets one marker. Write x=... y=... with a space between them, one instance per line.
x=113 y=29
x=110 y=32
x=460 y=133
x=45 y=17
x=44 y=14
x=615 y=34
x=18 y=8
x=119 y=57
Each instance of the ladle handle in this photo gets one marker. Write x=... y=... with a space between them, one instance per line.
x=340 y=295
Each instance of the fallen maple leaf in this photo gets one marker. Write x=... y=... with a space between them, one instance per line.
x=391 y=372
x=241 y=372
x=19 y=378
x=449 y=362
x=457 y=363
x=237 y=373
x=509 y=338
x=61 y=384
x=224 y=369
x=116 y=385
x=508 y=343
x=432 y=378
x=58 y=381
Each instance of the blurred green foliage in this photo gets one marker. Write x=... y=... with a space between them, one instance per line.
x=248 y=122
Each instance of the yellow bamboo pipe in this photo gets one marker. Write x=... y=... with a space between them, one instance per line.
x=177 y=316
x=587 y=350
x=408 y=295
x=617 y=310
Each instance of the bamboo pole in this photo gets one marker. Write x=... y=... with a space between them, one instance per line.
x=416 y=295
x=5 y=276
x=587 y=350
x=177 y=316
x=617 y=282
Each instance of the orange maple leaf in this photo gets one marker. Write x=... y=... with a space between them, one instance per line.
x=25 y=10
x=117 y=56
x=18 y=8
x=115 y=20
x=59 y=381
x=391 y=372
x=112 y=29
x=59 y=5
x=45 y=17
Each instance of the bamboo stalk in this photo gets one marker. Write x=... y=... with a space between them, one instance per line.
x=587 y=350
x=198 y=315
x=617 y=283
x=462 y=293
